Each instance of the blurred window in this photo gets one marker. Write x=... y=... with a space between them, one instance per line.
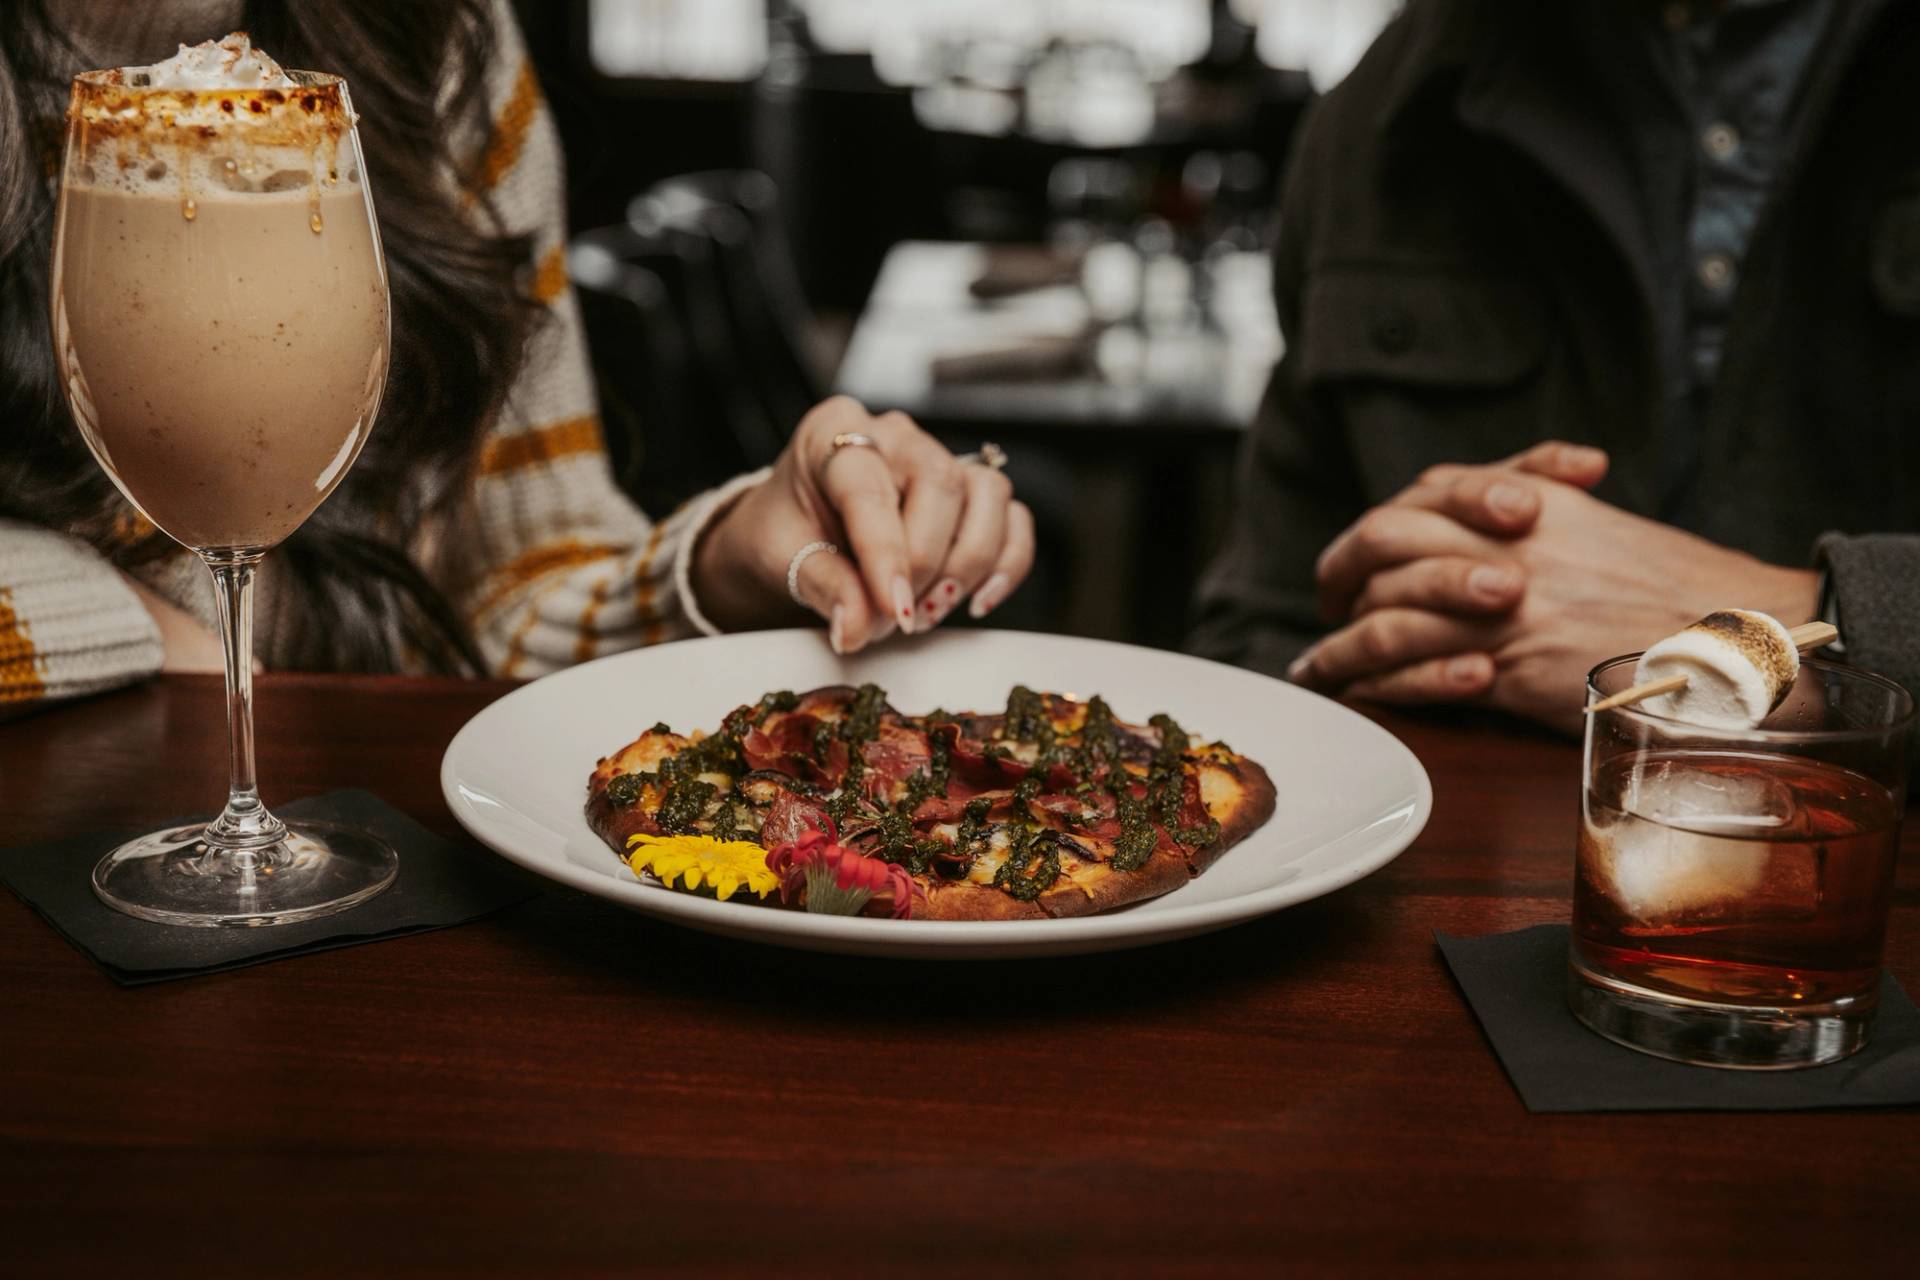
x=678 y=39
x=1324 y=38
x=908 y=38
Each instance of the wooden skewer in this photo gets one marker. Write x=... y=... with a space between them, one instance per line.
x=1808 y=635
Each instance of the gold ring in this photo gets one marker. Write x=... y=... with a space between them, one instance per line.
x=844 y=440
x=988 y=455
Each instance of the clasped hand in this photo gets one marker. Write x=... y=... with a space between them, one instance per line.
x=1506 y=583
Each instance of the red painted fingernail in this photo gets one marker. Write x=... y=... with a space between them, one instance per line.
x=903 y=603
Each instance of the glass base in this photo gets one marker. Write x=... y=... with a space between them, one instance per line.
x=1743 y=1037
x=175 y=877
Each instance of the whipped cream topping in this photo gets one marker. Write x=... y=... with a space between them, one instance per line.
x=232 y=63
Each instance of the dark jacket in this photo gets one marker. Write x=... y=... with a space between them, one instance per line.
x=1464 y=268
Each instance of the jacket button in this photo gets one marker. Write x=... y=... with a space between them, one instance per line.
x=1393 y=331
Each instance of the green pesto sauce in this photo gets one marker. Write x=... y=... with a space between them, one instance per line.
x=1027 y=719
x=1174 y=742
x=1032 y=865
x=862 y=721
x=1137 y=839
x=684 y=805
x=972 y=839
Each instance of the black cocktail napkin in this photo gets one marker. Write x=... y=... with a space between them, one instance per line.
x=439 y=884
x=1516 y=984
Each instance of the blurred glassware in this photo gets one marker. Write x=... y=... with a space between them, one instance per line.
x=1090 y=199
x=1089 y=95
x=1166 y=279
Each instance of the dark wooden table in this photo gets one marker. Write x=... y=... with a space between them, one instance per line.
x=571 y=1088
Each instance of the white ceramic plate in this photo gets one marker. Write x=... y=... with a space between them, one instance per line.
x=1350 y=795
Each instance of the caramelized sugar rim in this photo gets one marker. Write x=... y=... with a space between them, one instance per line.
x=111 y=107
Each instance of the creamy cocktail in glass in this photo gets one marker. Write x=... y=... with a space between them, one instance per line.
x=221 y=325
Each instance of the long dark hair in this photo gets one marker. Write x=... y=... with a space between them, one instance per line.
x=460 y=319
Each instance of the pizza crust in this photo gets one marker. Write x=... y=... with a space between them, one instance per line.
x=958 y=900
x=1086 y=888
x=1239 y=796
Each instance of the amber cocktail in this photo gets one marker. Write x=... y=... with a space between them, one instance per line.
x=1732 y=885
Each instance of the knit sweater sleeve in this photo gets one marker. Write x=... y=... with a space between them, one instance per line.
x=551 y=562
x=69 y=623
x=1875 y=581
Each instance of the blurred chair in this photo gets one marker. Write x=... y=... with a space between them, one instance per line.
x=697 y=333
x=855 y=171
x=737 y=213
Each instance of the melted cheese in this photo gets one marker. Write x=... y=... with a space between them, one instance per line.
x=1024 y=752
x=988 y=864
x=1219 y=790
x=645 y=754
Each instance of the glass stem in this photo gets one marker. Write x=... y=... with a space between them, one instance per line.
x=245 y=826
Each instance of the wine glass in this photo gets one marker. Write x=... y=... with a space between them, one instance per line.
x=220 y=320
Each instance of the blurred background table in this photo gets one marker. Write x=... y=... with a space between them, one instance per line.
x=1130 y=423
x=570 y=1088
x=927 y=344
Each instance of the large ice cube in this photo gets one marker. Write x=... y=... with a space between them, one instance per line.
x=1699 y=849
x=1681 y=795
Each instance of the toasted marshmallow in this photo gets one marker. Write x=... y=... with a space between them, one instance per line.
x=1738 y=665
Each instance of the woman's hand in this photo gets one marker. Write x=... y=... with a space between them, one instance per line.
x=185 y=643
x=918 y=531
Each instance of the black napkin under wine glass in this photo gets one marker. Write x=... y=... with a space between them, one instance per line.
x=440 y=883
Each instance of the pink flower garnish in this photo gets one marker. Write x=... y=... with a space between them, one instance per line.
x=838 y=880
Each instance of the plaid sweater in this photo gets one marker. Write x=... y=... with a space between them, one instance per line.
x=549 y=561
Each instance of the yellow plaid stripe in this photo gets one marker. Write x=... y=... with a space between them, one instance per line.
x=542 y=445
x=510 y=130
x=517 y=646
x=535 y=564
x=129 y=528
x=550 y=277
x=589 y=641
x=20 y=664
x=653 y=631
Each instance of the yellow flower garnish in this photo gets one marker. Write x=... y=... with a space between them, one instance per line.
x=723 y=866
